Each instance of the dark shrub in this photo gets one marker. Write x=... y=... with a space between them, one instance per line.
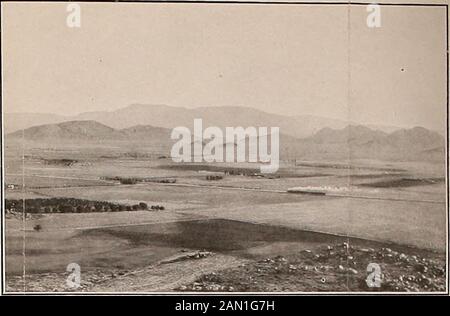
x=143 y=206
x=66 y=208
x=128 y=181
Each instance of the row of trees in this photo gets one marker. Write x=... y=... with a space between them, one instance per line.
x=71 y=205
x=136 y=180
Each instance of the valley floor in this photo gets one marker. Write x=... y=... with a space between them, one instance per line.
x=213 y=235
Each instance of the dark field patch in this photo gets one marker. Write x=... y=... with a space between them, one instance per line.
x=221 y=235
x=403 y=182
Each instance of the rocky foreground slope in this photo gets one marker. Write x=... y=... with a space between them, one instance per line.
x=331 y=268
x=334 y=268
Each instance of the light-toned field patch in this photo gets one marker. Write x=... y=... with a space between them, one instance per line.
x=409 y=223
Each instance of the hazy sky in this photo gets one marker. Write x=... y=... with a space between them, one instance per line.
x=290 y=60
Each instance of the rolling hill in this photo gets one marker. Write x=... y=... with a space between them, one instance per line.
x=89 y=131
x=18 y=121
x=66 y=131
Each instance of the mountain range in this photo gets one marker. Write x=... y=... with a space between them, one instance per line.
x=352 y=141
x=169 y=117
x=357 y=141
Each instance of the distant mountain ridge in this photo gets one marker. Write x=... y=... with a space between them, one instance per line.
x=355 y=134
x=169 y=117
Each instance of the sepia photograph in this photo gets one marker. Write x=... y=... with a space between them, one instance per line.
x=198 y=148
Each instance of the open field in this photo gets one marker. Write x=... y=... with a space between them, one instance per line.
x=239 y=219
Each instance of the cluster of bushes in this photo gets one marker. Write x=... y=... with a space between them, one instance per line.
x=71 y=205
x=63 y=162
x=212 y=178
x=165 y=180
x=240 y=171
x=122 y=180
x=128 y=180
x=136 y=180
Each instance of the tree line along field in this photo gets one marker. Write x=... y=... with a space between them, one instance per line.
x=71 y=205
